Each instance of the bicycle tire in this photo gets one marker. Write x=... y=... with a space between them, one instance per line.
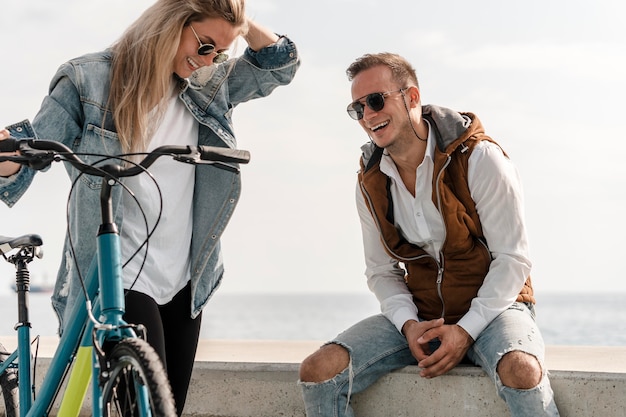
x=10 y=390
x=133 y=361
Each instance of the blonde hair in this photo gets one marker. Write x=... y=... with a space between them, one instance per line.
x=142 y=74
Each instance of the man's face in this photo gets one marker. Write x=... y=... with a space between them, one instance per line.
x=372 y=88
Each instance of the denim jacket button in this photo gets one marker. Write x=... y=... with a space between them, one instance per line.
x=19 y=128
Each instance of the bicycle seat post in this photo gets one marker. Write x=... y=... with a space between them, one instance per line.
x=23 y=326
x=21 y=260
x=22 y=287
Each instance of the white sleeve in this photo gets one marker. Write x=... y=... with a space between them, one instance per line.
x=496 y=189
x=385 y=276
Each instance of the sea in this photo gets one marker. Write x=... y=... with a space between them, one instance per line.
x=596 y=319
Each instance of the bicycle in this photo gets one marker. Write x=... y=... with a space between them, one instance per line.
x=126 y=375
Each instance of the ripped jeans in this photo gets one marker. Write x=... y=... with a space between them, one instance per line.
x=377 y=348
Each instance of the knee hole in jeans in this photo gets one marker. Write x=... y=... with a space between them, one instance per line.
x=519 y=370
x=325 y=363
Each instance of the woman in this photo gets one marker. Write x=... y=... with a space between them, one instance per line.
x=141 y=93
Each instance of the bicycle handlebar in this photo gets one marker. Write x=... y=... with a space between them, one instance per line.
x=38 y=154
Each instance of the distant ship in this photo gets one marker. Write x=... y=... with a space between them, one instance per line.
x=41 y=288
x=37 y=288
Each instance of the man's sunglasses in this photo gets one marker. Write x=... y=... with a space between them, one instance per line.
x=208 y=49
x=375 y=101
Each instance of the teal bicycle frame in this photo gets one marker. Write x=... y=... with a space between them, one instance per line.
x=84 y=337
x=105 y=273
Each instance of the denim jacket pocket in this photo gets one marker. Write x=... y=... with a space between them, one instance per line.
x=95 y=147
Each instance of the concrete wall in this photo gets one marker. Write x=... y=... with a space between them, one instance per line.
x=269 y=390
x=258 y=379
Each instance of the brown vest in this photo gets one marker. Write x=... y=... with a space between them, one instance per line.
x=443 y=289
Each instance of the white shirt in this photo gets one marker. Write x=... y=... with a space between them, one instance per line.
x=496 y=189
x=167 y=267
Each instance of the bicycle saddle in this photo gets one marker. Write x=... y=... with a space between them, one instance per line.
x=9 y=243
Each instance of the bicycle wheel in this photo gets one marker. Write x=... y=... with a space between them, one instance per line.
x=134 y=366
x=10 y=393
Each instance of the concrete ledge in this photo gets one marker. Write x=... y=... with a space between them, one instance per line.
x=587 y=381
x=269 y=390
x=249 y=378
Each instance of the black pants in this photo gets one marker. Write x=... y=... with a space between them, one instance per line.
x=172 y=333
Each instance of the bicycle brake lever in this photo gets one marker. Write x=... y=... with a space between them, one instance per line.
x=188 y=159
x=40 y=160
x=196 y=160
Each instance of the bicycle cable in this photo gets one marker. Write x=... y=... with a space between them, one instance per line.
x=149 y=231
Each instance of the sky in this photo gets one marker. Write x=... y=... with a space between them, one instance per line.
x=546 y=77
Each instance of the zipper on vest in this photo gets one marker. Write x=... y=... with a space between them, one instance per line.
x=441 y=261
x=439 y=281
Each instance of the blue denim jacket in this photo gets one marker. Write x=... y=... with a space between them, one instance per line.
x=72 y=113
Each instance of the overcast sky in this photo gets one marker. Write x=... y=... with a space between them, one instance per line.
x=547 y=78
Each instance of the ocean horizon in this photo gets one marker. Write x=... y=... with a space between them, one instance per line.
x=594 y=319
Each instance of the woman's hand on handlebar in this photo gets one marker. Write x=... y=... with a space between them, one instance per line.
x=7 y=168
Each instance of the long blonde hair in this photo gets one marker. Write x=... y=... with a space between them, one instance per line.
x=142 y=74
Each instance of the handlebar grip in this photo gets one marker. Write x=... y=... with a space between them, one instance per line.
x=9 y=145
x=217 y=154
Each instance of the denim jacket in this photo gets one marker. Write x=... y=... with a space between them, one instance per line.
x=73 y=112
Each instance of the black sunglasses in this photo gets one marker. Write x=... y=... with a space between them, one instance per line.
x=375 y=101
x=208 y=49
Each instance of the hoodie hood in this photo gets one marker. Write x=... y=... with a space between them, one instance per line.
x=449 y=126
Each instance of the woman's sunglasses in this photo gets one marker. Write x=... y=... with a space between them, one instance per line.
x=375 y=101
x=208 y=49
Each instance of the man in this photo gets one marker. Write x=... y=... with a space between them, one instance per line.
x=445 y=248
